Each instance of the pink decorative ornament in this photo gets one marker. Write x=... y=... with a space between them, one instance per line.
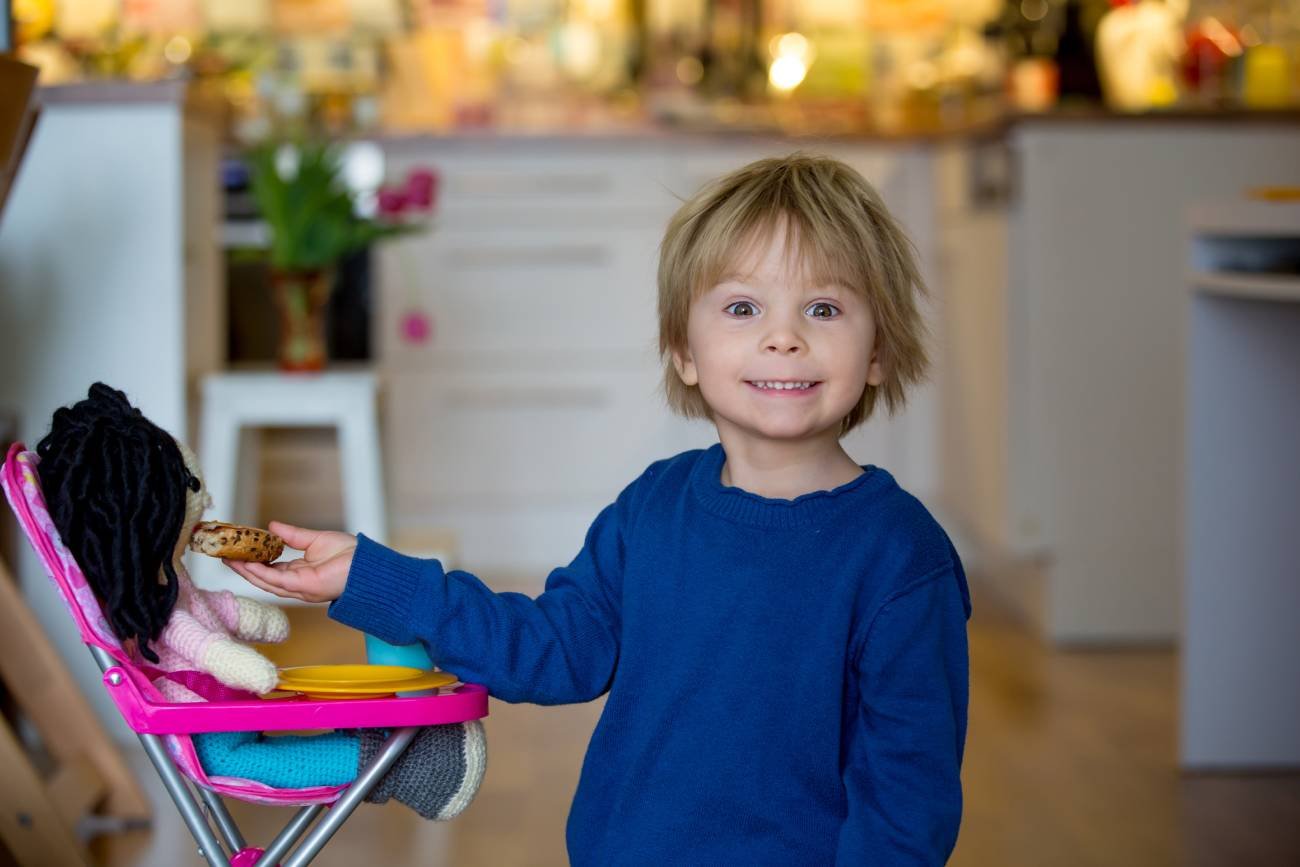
x=417 y=327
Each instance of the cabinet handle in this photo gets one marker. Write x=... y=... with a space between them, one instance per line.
x=531 y=397
x=550 y=256
x=496 y=186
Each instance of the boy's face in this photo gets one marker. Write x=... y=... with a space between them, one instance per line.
x=763 y=324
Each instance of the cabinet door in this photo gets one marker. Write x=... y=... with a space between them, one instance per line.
x=519 y=462
x=519 y=294
x=513 y=181
x=540 y=436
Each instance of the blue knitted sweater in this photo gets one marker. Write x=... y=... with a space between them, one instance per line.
x=787 y=679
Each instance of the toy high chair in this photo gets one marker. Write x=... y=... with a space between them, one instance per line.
x=164 y=728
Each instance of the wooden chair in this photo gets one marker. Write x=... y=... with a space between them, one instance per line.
x=91 y=787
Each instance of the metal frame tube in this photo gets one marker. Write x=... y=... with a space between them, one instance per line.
x=177 y=788
x=225 y=824
x=286 y=838
x=338 y=814
x=209 y=847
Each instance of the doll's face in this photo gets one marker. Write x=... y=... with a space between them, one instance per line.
x=196 y=502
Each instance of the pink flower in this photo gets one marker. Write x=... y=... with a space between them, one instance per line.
x=417 y=327
x=393 y=202
x=422 y=188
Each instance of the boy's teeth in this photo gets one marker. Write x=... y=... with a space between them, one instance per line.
x=783 y=385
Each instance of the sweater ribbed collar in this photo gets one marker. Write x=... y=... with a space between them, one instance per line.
x=744 y=507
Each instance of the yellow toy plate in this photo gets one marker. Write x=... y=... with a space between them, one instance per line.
x=360 y=681
x=1275 y=194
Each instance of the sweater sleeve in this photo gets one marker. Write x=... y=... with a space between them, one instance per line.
x=902 y=774
x=559 y=648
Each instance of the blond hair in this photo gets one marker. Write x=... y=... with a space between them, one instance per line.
x=837 y=229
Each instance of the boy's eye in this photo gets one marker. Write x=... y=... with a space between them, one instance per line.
x=822 y=310
x=740 y=308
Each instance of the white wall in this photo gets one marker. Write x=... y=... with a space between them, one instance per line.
x=1099 y=254
x=91 y=261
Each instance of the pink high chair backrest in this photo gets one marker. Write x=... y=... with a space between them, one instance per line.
x=23 y=488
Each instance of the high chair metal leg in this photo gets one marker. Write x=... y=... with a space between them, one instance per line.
x=286 y=838
x=225 y=824
x=209 y=846
x=343 y=807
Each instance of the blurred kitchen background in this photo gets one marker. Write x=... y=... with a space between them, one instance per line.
x=1105 y=199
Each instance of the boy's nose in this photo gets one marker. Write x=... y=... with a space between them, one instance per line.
x=784 y=343
x=783 y=334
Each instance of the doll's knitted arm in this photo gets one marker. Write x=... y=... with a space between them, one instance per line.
x=248 y=619
x=259 y=621
x=215 y=652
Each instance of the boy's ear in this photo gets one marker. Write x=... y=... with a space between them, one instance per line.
x=875 y=371
x=685 y=367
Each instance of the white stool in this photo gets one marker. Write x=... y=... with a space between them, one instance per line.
x=234 y=403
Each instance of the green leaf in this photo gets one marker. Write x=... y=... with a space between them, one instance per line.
x=311 y=216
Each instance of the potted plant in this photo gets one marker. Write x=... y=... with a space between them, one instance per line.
x=313 y=221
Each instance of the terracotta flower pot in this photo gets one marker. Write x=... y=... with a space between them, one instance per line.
x=300 y=298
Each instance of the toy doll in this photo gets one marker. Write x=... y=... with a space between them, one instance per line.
x=126 y=498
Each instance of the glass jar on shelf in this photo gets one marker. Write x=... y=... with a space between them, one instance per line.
x=1268 y=61
x=1138 y=48
x=1211 y=60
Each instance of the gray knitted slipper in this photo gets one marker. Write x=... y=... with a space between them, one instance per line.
x=438 y=774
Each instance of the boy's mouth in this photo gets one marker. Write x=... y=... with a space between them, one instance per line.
x=783 y=387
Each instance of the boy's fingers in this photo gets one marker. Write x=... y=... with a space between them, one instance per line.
x=264 y=576
x=257 y=582
x=234 y=566
x=299 y=538
x=275 y=591
x=261 y=571
x=240 y=569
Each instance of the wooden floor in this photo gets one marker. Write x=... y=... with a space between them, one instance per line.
x=1070 y=761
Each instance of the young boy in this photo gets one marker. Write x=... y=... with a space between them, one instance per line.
x=781 y=632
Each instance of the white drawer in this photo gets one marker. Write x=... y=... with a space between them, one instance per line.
x=519 y=292
x=505 y=440
x=500 y=176
x=573 y=177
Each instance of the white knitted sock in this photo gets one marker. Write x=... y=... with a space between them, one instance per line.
x=475 y=751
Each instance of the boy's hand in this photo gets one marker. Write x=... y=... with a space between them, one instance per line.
x=319 y=576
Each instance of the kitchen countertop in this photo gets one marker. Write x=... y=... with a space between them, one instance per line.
x=610 y=128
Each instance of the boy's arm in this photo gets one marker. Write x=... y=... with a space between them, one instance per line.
x=903 y=774
x=558 y=648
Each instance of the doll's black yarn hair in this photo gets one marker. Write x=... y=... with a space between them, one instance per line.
x=115 y=484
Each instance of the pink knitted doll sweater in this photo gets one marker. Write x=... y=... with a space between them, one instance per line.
x=207 y=627
x=204 y=635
